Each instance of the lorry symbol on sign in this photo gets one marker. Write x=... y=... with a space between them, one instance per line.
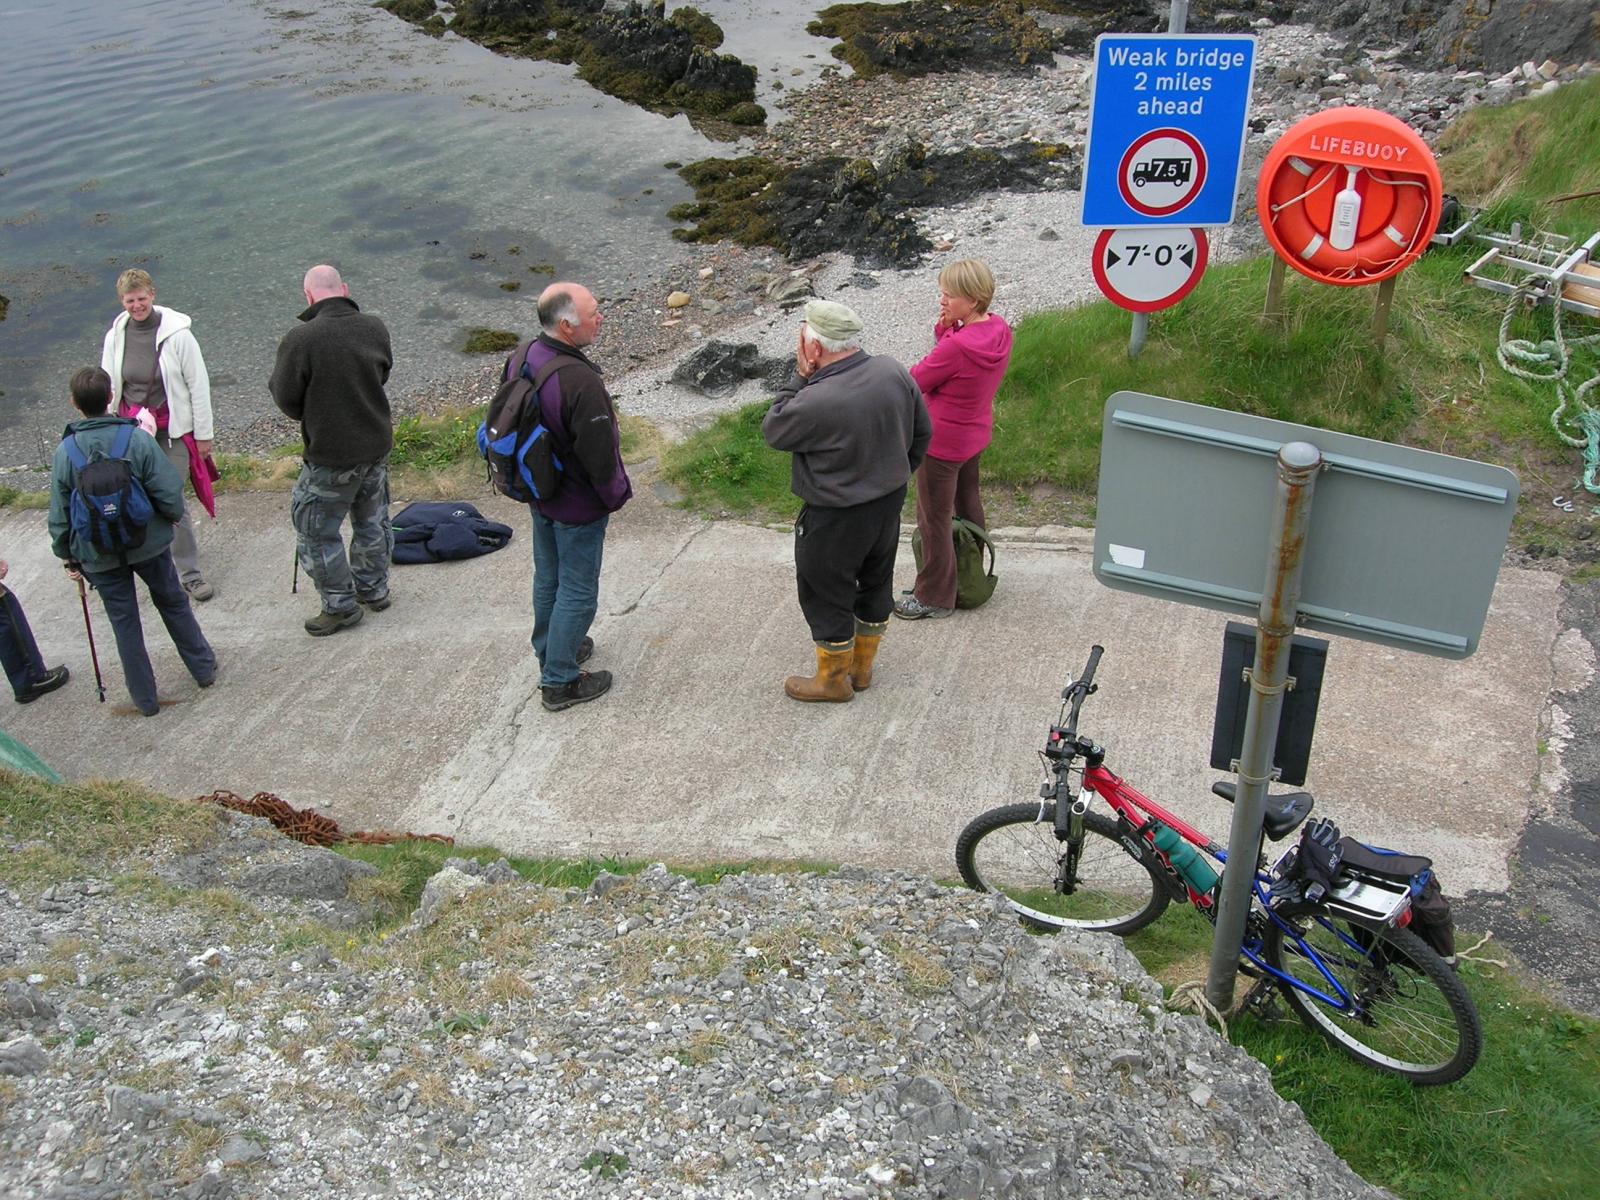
x=1163 y=170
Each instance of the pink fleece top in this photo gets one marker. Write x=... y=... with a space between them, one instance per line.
x=959 y=378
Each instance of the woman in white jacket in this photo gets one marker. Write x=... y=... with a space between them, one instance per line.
x=155 y=363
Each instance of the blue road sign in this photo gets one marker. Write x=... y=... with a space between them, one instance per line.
x=1166 y=129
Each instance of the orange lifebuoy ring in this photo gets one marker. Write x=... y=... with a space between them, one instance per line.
x=1357 y=168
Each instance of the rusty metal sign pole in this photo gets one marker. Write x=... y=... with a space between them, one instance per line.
x=1298 y=464
x=1177 y=22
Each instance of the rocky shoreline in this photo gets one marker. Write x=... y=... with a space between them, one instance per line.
x=738 y=292
x=731 y=288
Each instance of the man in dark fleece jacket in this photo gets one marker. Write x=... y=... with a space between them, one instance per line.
x=329 y=376
x=569 y=529
x=857 y=427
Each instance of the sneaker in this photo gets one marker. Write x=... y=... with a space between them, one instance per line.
x=912 y=609
x=375 y=604
x=325 y=623
x=585 y=650
x=589 y=685
x=49 y=682
x=199 y=589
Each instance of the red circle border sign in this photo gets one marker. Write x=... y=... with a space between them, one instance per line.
x=1202 y=249
x=1138 y=206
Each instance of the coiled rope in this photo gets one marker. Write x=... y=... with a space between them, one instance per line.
x=309 y=827
x=1550 y=361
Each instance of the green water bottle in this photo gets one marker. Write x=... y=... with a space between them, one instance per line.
x=1186 y=860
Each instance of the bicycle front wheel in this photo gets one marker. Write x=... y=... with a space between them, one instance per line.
x=1014 y=851
x=1408 y=1014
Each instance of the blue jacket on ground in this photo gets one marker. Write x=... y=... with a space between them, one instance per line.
x=441 y=530
x=150 y=467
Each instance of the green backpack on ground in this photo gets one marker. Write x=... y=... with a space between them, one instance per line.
x=974 y=580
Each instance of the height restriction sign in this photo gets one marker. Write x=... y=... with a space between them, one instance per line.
x=1166 y=129
x=1146 y=270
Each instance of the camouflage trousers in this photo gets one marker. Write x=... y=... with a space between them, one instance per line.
x=322 y=497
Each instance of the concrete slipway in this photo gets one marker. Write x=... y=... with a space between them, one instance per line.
x=426 y=717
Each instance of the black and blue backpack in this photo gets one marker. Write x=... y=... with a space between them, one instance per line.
x=109 y=508
x=513 y=438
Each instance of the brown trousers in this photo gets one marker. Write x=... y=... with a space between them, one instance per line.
x=944 y=489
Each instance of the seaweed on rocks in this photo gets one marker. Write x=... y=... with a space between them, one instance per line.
x=489 y=341
x=927 y=36
x=855 y=205
x=635 y=53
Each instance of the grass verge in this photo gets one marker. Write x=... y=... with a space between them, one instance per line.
x=1524 y=1125
x=1490 y=1136
x=1437 y=384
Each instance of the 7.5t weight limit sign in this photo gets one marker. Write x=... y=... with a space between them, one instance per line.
x=1144 y=270
x=1166 y=129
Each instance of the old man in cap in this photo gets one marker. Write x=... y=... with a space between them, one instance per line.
x=857 y=427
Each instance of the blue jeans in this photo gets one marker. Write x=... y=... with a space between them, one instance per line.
x=566 y=593
x=322 y=497
x=121 y=602
x=18 y=651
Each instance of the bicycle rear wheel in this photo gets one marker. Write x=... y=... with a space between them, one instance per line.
x=1410 y=1014
x=1014 y=851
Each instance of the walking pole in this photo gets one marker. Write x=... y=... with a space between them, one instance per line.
x=294 y=584
x=99 y=683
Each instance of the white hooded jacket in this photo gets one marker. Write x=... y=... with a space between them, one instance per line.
x=183 y=372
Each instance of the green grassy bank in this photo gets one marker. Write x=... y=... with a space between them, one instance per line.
x=1524 y=1125
x=1436 y=384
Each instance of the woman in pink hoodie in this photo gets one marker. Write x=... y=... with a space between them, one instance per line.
x=958 y=378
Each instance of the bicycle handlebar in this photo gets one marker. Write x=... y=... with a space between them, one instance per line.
x=1081 y=688
x=1094 y=661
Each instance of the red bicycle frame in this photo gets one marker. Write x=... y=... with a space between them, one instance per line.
x=1142 y=813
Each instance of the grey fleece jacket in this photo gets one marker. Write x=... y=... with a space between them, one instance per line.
x=857 y=429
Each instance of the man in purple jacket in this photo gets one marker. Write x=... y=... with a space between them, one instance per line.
x=569 y=529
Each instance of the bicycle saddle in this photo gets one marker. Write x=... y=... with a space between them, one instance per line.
x=1285 y=811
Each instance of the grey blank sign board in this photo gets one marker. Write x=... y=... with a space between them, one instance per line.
x=1403 y=546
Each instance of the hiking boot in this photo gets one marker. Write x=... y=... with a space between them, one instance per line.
x=49 y=682
x=375 y=603
x=326 y=622
x=589 y=685
x=585 y=650
x=199 y=589
x=912 y=609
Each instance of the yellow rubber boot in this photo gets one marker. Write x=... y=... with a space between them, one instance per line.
x=832 y=681
x=868 y=635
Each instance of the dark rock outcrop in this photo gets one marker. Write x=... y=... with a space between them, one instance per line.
x=718 y=368
x=928 y=35
x=855 y=205
x=1483 y=35
x=635 y=53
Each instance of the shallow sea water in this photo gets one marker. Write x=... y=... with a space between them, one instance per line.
x=226 y=146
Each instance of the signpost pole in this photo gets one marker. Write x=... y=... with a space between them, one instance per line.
x=1380 y=313
x=1136 y=336
x=1298 y=464
x=1272 y=313
x=1177 y=22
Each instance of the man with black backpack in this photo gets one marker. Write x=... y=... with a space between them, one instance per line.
x=585 y=485
x=114 y=499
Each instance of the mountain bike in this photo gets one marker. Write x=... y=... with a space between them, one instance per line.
x=1344 y=960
